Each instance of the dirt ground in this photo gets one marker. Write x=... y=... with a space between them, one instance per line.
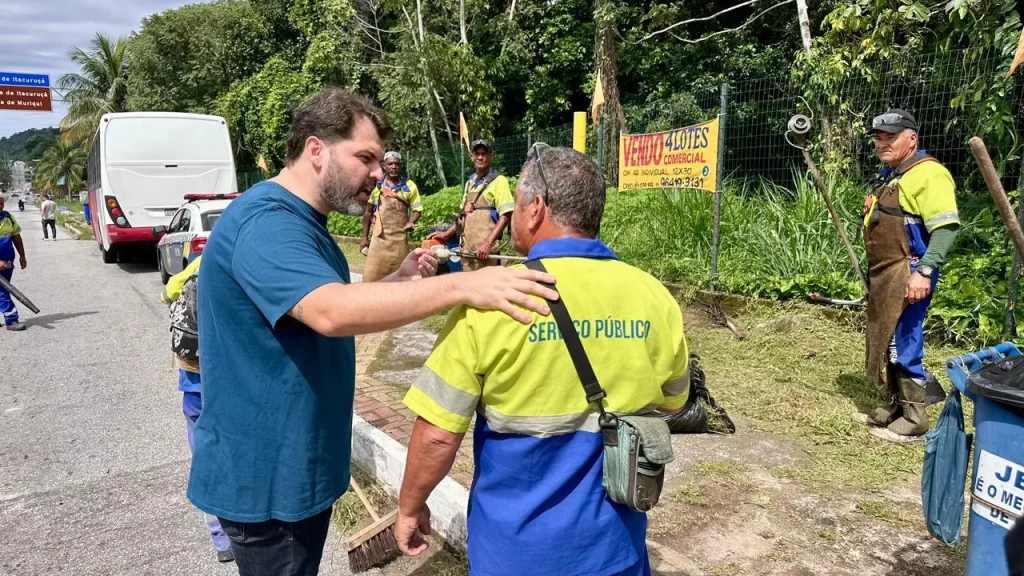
x=800 y=489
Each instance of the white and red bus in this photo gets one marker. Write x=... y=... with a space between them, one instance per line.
x=141 y=166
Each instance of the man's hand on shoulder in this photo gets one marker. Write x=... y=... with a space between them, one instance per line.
x=509 y=290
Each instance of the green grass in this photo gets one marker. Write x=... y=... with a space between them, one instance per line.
x=67 y=221
x=349 y=513
x=436 y=322
x=690 y=493
x=800 y=375
x=723 y=471
x=880 y=510
x=355 y=258
x=829 y=535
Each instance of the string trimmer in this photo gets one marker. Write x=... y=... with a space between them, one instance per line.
x=799 y=126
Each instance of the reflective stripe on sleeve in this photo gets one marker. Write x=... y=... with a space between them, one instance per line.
x=676 y=386
x=449 y=398
x=942 y=219
x=506 y=208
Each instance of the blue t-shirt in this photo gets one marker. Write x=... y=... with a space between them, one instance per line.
x=274 y=439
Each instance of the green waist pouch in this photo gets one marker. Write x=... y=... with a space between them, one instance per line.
x=634 y=467
x=636 y=447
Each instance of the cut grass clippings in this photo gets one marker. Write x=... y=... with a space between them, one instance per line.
x=800 y=374
x=349 y=513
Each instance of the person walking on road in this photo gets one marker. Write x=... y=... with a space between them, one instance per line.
x=180 y=295
x=910 y=223
x=10 y=241
x=391 y=213
x=486 y=208
x=277 y=316
x=537 y=505
x=48 y=212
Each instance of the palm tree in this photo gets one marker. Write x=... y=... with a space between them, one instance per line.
x=61 y=164
x=99 y=88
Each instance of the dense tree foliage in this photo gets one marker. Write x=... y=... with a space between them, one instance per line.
x=28 y=145
x=528 y=64
x=98 y=88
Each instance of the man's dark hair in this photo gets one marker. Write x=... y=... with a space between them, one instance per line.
x=330 y=115
x=575 y=189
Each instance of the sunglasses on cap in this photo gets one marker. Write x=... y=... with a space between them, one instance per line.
x=887 y=119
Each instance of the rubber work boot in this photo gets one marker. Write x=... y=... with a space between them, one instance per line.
x=16 y=327
x=914 y=421
x=886 y=413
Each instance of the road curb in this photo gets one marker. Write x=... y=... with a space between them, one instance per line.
x=383 y=457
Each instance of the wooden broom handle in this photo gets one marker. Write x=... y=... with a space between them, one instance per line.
x=995 y=188
x=362 y=497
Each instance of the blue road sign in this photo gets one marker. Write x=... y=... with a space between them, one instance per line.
x=21 y=79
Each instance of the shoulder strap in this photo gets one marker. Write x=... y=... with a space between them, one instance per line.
x=595 y=393
x=483 y=185
x=914 y=161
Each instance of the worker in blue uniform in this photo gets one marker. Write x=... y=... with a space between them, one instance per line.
x=10 y=241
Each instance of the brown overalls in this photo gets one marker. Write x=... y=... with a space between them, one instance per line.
x=389 y=242
x=477 y=227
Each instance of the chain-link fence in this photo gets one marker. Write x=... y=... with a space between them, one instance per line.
x=946 y=93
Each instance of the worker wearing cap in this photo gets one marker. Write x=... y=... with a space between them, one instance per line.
x=910 y=223
x=537 y=506
x=487 y=205
x=393 y=208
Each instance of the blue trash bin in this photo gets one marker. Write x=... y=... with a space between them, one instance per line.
x=88 y=215
x=997 y=482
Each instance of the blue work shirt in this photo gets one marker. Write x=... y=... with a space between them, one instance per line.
x=274 y=438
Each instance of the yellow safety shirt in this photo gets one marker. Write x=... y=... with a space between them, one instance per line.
x=497 y=194
x=537 y=444
x=405 y=189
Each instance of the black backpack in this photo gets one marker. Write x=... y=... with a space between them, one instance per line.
x=184 y=328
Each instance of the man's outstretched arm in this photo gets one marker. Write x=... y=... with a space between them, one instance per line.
x=338 y=309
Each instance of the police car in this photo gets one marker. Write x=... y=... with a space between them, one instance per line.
x=185 y=237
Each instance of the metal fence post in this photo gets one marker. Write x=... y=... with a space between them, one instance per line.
x=719 y=173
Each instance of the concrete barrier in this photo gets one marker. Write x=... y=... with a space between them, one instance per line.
x=383 y=457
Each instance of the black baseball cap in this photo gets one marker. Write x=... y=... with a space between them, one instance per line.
x=481 y=143
x=894 y=120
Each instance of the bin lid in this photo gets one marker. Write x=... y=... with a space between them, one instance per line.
x=1002 y=381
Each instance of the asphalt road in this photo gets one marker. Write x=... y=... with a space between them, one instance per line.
x=93 y=456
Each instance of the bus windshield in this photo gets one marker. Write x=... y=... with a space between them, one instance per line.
x=166 y=141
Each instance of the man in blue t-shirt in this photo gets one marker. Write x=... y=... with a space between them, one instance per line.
x=277 y=316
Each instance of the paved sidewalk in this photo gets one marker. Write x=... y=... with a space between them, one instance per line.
x=379 y=402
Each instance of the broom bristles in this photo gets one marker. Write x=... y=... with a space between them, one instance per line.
x=376 y=550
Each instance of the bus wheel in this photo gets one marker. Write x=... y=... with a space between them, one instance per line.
x=109 y=256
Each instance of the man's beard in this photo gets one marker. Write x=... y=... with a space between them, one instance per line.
x=341 y=194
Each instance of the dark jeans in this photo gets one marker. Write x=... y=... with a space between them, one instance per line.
x=276 y=548
x=53 y=226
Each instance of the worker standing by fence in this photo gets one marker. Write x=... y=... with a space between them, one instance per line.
x=388 y=216
x=910 y=223
x=486 y=209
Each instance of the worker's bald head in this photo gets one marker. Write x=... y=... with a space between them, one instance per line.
x=563 y=194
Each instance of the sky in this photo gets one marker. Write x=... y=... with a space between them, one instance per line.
x=35 y=36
